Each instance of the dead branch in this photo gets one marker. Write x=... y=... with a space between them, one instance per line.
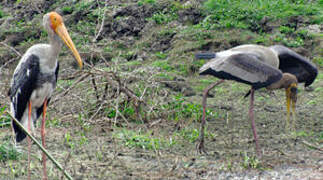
x=102 y=22
x=12 y=48
x=311 y=145
x=95 y=87
x=80 y=79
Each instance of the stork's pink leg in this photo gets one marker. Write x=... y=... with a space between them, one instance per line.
x=200 y=145
x=253 y=125
x=43 y=139
x=28 y=138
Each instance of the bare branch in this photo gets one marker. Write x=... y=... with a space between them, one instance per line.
x=12 y=48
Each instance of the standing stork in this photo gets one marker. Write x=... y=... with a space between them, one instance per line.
x=275 y=67
x=35 y=77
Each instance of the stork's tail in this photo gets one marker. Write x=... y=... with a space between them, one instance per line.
x=205 y=55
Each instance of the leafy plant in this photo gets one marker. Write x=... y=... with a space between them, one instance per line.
x=8 y=152
x=190 y=134
x=67 y=9
x=181 y=110
x=142 y=2
x=142 y=140
x=1 y=13
x=321 y=136
x=68 y=140
x=161 y=55
x=318 y=61
x=163 y=65
x=4 y=119
x=250 y=162
x=286 y=29
x=163 y=18
x=248 y=14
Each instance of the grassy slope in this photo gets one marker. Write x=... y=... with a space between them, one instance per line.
x=160 y=54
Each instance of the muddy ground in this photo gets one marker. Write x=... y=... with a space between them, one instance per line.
x=93 y=141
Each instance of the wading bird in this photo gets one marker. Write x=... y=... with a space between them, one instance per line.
x=35 y=77
x=274 y=67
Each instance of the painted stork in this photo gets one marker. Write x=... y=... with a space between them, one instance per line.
x=35 y=77
x=274 y=67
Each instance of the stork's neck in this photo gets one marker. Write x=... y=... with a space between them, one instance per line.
x=55 y=48
x=285 y=82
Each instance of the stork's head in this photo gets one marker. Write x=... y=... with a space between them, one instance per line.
x=54 y=25
x=291 y=92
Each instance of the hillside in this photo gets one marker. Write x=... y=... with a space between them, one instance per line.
x=134 y=111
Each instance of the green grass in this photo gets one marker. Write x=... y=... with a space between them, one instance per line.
x=319 y=62
x=161 y=55
x=321 y=136
x=250 y=162
x=126 y=109
x=163 y=18
x=4 y=119
x=248 y=14
x=67 y=9
x=8 y=152
x=1 y=13
x=304 y=133
x=164 y=76
x=143 y=2
x=142 y=140
x=164 y=65
x=180 y=109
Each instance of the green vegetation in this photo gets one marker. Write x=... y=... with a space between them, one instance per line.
x=8 y=152
x=250 y=162
x=162 y=18
x=68 y=140
x=248 y=14
x=1 y=12
x=143 y=140
x=304 y=134
x=161 y=55
x=100 y=131
x=4 y=119
x=318 y=61
x=126 y=109
x=164 y=65
x=67 y=9
x=142 y=2
x=321 y=136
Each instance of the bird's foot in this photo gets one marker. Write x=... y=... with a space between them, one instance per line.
x=200 y=147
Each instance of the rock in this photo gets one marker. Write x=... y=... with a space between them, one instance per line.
x=163 y=43
x=190 y=15
x=127 y=21
x=315 y=28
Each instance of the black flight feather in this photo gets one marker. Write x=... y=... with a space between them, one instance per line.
x=24 y=82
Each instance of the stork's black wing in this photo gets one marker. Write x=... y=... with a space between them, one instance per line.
x=243 y=67
x=294 y=63
x=23 y=84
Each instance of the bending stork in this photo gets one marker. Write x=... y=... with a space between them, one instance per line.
x=274 y=67
x=35 y=77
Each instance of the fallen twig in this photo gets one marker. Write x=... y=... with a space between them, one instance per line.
x=311 y=145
